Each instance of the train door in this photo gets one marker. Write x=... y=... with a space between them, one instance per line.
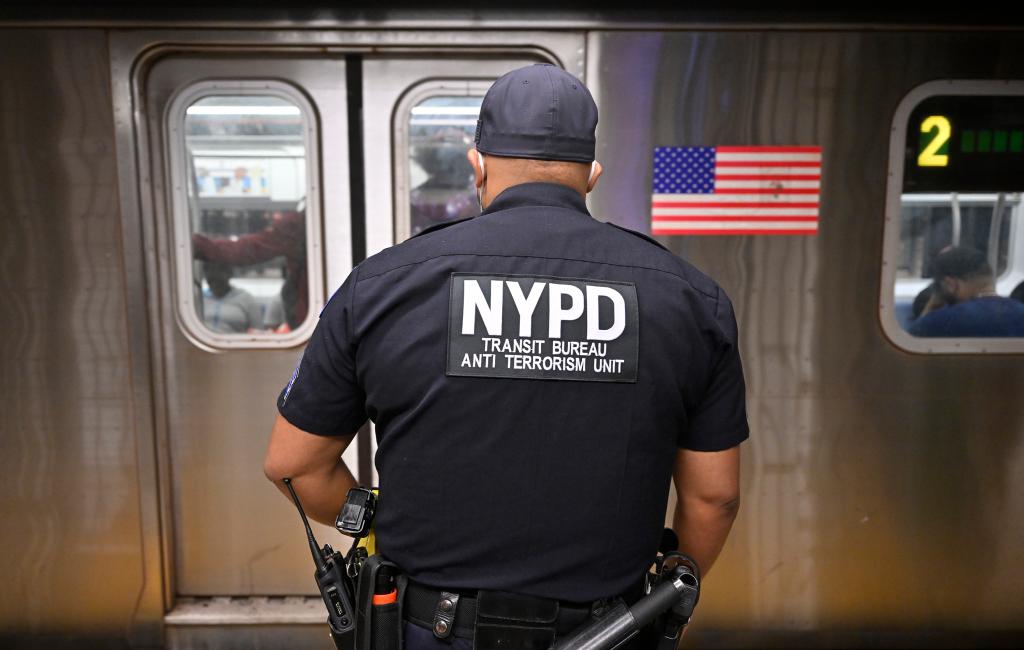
x=252 y=211
x=262 y=197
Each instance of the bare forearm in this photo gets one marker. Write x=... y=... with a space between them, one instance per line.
x=702 y=528
x=322 y=492
x=314 y=465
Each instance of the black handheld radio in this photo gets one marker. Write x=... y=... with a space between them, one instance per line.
x=335 y=587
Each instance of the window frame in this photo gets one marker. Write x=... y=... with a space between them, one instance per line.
x=412 y=97
x=891 y=236
x=186 y=313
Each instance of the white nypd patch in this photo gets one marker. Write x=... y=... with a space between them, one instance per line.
x=538 y=327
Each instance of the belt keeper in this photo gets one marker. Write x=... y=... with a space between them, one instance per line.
x=444 y=614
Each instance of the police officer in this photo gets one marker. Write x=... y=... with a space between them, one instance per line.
x=537 y=377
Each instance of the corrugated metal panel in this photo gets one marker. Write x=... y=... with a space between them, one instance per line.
x=70 y=503
x=881 y=489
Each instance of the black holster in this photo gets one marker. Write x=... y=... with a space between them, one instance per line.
x=506 y=621
x=378 y=627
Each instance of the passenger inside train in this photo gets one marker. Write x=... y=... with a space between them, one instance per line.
x=931 y=226
x=226 y=308
x=446 y=195
x=440 y=131
x=247 y=210
x=283 y=237
x=964 y=302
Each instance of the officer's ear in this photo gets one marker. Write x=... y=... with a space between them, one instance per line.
x=478 y=171
x=595 y=173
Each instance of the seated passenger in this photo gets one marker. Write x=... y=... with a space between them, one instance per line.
x=226 y=308
x=964 y=302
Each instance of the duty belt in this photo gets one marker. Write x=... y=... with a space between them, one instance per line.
x=448 y=613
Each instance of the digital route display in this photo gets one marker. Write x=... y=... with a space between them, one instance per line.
x=965 y=143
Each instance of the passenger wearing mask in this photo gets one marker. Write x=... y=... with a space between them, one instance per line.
x=965 y=303
x=226 y=308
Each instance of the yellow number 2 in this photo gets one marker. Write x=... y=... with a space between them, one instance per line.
x=930 y=156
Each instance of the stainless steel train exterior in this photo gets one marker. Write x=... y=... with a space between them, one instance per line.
x=883 y=490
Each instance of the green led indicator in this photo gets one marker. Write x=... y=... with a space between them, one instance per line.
x=984 y=141
x=967 y=142
x=1016 y=141
x=999 y=142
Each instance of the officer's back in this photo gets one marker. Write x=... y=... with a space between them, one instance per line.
x=492 y=475
x=531 y=372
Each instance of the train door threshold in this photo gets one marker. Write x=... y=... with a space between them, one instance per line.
x=225 y=622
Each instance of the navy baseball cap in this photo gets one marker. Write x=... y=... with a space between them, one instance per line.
x=539 y=111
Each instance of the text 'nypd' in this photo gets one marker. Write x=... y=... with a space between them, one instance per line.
x=535 y=327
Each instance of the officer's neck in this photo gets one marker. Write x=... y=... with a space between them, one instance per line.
x=494 y=187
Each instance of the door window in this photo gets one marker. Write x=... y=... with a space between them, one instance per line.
x=244 y=189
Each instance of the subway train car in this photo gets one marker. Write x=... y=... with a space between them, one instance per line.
x=179 y=198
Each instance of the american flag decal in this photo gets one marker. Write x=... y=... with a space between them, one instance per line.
x=736 y=190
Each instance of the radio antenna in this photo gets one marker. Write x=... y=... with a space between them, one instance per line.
x=314 y=548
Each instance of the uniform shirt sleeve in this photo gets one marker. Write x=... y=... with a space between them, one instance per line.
x=323 y=396
x=719 y=420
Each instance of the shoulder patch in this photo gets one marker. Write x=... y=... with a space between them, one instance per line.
x=441 y=226
x=542 y=327
x=291 y=382
x=646 y=238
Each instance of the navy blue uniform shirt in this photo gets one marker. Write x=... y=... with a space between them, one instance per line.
x=531 y=373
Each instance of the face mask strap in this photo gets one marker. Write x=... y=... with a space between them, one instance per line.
x=483 y=175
